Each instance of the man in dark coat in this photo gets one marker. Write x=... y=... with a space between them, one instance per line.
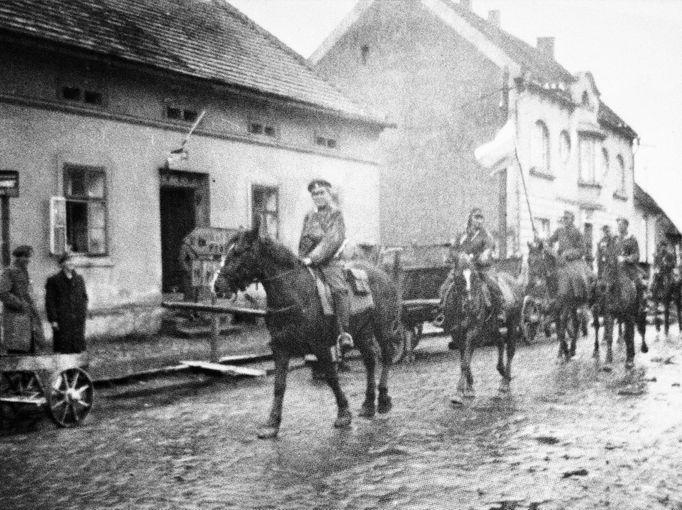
x=22 y=326
x=322 y=238
x=66 y=303
x=603 y=248
x=627 y=249
x=574 y=274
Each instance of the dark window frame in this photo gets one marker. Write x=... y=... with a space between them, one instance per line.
x=77 y=202
x=260 y=209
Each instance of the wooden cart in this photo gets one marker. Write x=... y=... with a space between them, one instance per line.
x=56 y=382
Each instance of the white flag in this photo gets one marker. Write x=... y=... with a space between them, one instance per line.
x=498 y=154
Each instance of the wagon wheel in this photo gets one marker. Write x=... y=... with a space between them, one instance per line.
x=70 y=397
x=18 y=384
x=531 y=316
x=411 y=335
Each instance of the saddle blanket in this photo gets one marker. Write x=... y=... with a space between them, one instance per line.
x=360 y=300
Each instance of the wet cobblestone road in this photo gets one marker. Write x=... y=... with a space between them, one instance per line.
x=569 y=436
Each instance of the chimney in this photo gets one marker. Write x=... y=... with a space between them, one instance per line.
x=466 y=4
x=494 y=17
x=546 y=46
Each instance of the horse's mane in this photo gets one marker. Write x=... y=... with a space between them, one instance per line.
x=279 y=253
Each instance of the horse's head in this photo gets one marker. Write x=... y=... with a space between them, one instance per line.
x=242 y=265
x=541 y=262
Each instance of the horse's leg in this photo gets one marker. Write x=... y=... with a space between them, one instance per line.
x=461 y=384
x=657 y=319
x=324 y=356
x=666 y=313
x=368 y=407
x=562 y=316
x=510 y=342
x=469 y=351
x=574 y=316
x=270 y=428
x=629 y=343
x=595 y=325
x=608 y=337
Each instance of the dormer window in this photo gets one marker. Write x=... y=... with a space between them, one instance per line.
x=326 y=142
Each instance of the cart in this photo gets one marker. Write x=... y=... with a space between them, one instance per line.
x=56 y=382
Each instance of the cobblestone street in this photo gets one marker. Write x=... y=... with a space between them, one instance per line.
x=570 y=436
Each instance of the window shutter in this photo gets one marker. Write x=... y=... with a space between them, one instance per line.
x=57 y=225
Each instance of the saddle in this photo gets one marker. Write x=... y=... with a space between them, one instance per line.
x=360 y=293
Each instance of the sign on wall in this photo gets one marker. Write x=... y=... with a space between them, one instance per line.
x=9 y=183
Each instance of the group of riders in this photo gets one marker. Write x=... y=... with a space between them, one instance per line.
x=323 y=237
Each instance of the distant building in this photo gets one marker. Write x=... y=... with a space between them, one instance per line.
x=451 y=80
x=95 y=94
x=651 y=225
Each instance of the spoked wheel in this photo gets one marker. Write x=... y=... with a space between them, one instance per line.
x=21 y=391
x=531 y=316
x=70 y=397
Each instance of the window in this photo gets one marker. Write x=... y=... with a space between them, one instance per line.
x=262 y=128
x=620 y=167
x=604 y=164
x=564 y=147
x=85 y=209
x=81 y=95
x=542 y=224
x=588 y=154
x=182 y=114
x=265 y=204
x=327 y=142
x=364 y=54
x=540 y=148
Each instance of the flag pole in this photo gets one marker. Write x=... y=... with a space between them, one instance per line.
x=518 y=162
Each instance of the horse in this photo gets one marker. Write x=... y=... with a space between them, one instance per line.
x=665 y=289
x=298 y=326
x=620 y=302
x=567 y=300
x=469 y=318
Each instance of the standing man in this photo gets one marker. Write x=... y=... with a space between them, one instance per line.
x=22 y=326
x=66 y=303
x=627 y=249
x=322 y=238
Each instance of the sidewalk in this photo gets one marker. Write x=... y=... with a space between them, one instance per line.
x=119 y=357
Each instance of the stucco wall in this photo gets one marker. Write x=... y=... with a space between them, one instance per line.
x=130 y=138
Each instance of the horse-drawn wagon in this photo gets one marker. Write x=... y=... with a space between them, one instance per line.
x=57 y=382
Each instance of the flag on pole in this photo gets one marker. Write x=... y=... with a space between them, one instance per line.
x=499 y=153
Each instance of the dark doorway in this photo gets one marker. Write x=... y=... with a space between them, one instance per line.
x=178 y=218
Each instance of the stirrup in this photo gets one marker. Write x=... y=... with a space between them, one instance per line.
x=439 y=320
x=345 y=341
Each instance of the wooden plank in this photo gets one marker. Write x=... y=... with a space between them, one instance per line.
x=198 y=307
x=225 y=369
x=40 y=401
x=43 y=362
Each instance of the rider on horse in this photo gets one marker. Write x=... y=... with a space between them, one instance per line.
x=477 y=245
x=322 y=238
x=627 y=250
x=570 y=251
x=603 y=247
x=664 y=261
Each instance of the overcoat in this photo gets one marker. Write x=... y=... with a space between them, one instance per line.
x=21 y=323
x=322 y=236
x=66 y=303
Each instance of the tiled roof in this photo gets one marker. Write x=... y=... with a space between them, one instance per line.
x=543 y=69
x=540 y=66
x=205 y=39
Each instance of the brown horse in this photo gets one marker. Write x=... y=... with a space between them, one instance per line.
x=298 y=325
x=470 y=319
x=665 y=290
x=620 y=303
x=567 y=300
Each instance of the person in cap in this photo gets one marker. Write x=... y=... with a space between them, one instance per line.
x=476 y=245
x=665 y=259
x=627 y=249
x=603 y=247
x=570 y=250
x=22 y=326
x=66 y=303
x=322 y=239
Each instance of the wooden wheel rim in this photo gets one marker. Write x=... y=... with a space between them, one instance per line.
x=70 y=397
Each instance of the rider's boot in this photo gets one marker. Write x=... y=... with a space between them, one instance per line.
x=342 y=309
